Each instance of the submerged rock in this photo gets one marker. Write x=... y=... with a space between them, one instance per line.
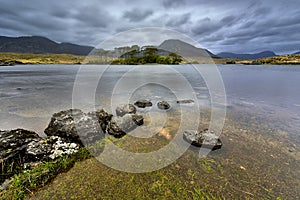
x=138 y=119
x=185 y=101
x=204 y=138
x=77 y=126
x=163 y=105
x=119 y=126
x=143 y=103
x=123 y=109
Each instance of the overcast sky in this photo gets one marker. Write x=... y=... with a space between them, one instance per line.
x=240 y=26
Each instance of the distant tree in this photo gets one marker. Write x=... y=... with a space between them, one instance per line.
x=149 y=51
x=177 y=59
x=135 y=47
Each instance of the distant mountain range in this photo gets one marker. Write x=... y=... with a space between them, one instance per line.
x=297 y=52
x=264 y=54
x=37 y=44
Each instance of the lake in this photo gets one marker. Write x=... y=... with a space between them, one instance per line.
x=30 y=94
x=262 y=105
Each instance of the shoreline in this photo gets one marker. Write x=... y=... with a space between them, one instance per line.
x=11 y=59
x=245 y=153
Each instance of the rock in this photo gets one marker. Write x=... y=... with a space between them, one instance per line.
x=204 y=138
x=291 y=150
x=77 y=126
x=5 y=184
x=143 y=103
x=119 y=126
x=38 y=149
x=138 y=119
x=185 y=101
x=15 y=138
x=21 y=149
x=163 y=105
x=103 y=118
x=123 y=109
x=13 y=151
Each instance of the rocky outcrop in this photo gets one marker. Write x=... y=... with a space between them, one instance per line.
x=204 y=138
x=123 y=109
x=143 y=103
x=75 y=125
x=119 y=126
x=163 y=105
x=21 y=149
x=67 y=131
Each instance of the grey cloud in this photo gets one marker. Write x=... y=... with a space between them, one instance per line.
x=178 y=20
x=173 y=3
x=137 y=15
x=95 y=17
x=255 y=24
x=262 y=11
x=206 y=26
x=228 y=19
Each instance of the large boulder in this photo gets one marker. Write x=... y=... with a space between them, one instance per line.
x=119 y=126
x=123 y=109
x=143 y=103
x=163 y=105
x=77 y=126
x=204 y=138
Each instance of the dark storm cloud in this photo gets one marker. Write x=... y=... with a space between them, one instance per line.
x=95 y=17
x=173 y=3
x=178 y=20
x=248 y=25
x=136 y=15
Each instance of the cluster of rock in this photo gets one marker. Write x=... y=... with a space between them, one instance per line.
x=71 y=129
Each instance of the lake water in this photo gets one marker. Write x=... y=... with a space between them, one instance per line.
x=263 y=110
x=30 y=94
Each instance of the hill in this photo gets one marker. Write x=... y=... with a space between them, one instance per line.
x=185 y=50
x=40 y=45
x=264 y=54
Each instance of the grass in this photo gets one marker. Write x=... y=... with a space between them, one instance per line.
x=25 y=58
x=242 y=169
x=29 y=180
x=158 y=185
x=277 y=60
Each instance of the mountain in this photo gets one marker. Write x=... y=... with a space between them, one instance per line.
x=184 y=49
x=264 y=54
x=297 y=52
x=37 y=44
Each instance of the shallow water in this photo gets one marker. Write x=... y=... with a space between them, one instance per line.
x=30 y=94
x=261 y=135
